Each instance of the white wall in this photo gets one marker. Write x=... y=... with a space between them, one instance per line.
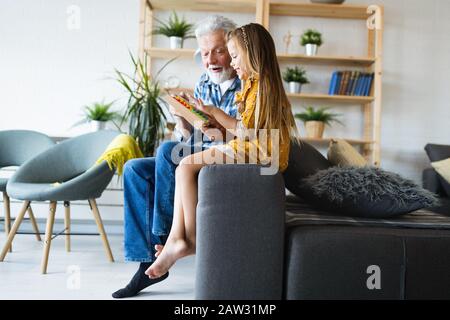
x=48 y=72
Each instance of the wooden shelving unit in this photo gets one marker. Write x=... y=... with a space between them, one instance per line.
x=371 y=106
x=170 y=53
x=279 y=8
x=263 y=10
x=331 y=98
x=244 y=6
x=327 y=140
x=328 y=60
x=148 y=7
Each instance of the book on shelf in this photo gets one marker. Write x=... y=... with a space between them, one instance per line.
x=351 y=83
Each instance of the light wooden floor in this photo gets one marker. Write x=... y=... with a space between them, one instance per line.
x=20 y=276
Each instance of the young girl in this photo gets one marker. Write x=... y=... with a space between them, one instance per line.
x=263 y=104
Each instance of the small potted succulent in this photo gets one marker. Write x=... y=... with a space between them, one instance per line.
x=315 y=120
x=176 y=29
x=98 y=114
x=295 y=77
x=312 y=40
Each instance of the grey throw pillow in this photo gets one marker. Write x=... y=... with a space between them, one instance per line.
x=304 y=160
x=365 y=192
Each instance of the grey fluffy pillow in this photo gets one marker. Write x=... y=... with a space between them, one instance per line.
x=365 y=192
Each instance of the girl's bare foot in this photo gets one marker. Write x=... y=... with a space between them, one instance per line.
x=171 y=252
x=158 y=248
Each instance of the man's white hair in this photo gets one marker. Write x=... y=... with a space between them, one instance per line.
x=214 y=23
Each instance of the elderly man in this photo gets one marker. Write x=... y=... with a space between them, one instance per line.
x=149 y=183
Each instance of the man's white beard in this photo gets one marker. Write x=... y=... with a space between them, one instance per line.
x=219 y=77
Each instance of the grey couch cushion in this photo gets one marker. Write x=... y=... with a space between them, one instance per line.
x=331 y=262
x=304 y=160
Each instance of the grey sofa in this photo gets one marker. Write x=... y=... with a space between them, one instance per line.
x=247 y=248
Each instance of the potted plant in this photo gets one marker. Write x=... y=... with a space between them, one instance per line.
x=312 y=40
x=98 y=114
x=295 y=77
x=176 y=29
x=145 y=111
x=315 y=120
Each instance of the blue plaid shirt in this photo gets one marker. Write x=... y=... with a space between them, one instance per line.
x=210 y=94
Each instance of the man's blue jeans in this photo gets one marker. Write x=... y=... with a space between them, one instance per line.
x=149 y=188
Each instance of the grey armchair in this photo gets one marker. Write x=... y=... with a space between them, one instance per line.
x=16 y=147
x=65 y=172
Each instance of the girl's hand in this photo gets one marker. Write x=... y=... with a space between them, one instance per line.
x=201 y=106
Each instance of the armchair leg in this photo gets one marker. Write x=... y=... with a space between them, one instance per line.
x=7 y=207
x=67 y=223
x=34 y=224
x=14 y=229
x=48 y=236
x=101 y=229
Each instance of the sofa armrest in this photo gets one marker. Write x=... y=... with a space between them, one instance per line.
x=240 y=233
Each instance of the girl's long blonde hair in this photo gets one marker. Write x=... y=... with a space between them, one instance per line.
x=258 y=51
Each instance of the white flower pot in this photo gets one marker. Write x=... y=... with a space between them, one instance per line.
x=176 y=42
x=98 y=125
x=295 y=87
x=311 y=49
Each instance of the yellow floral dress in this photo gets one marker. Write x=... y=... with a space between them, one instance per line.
x=251 y=147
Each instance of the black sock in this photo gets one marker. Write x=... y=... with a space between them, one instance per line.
x=139 y=282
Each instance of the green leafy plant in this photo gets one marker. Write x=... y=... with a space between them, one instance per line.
x=320 y=114
x=145 y=111
x=99 y=111
x=311 y=36
x=175 y=27
x=295 y=74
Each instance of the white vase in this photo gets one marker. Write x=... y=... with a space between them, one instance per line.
x=311 y=49
x=295 y=87
x=176 y=42
x=98 y=125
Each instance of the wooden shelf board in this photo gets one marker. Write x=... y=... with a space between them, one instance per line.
x=328 y=139
x=244 y=6
x=336 y=11
x=328 y=60
x=331 y=98
x=170 y=53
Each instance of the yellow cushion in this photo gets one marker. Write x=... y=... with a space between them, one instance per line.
x=443 y=168
x=341 y=153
